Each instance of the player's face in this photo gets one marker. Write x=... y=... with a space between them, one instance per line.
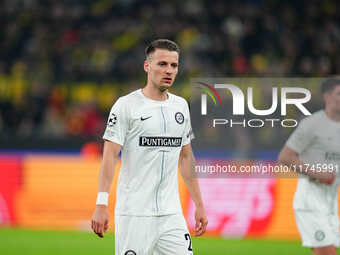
x=332 y=99
x=162 y=68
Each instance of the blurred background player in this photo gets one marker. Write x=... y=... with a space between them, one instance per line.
x=64 y=63
x=152 y=129
x=316 y=142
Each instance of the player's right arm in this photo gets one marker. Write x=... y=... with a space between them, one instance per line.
x=114 y=137
x=100 y=218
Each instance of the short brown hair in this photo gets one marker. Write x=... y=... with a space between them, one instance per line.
x=329 y=85
x=161 y=44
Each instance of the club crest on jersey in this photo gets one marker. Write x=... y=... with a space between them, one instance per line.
x=130 y=252
x=179 y=117
x=319 y=235
x=112 y=120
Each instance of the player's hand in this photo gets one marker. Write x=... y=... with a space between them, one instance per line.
x=201 y=222
x=323 y=177
x=100 y=220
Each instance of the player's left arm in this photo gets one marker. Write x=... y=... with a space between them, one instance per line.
x=186 y=166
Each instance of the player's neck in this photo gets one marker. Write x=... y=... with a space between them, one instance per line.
x=155 y=94
x=332 y=115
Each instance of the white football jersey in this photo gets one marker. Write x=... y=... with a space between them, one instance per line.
x=152 y=134
x=317 y=141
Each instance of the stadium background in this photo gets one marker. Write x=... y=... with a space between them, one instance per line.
x=62 y=65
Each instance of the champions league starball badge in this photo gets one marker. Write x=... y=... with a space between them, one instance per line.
x=112 y=120
x=179 y=117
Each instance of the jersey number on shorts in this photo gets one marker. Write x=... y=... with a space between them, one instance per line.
x=187 y=237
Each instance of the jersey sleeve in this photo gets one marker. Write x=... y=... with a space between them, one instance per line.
x=117 y=123
x=188 y=133
x=302 y=137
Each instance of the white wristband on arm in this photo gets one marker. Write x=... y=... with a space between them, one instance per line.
x=102 y=198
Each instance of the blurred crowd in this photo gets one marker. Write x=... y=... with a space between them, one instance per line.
x=63 y=63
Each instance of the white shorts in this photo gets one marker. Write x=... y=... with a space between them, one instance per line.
x=162 y=235
x=317 y=229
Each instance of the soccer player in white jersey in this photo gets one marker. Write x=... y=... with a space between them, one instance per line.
x=152 y=129
x=315 y=145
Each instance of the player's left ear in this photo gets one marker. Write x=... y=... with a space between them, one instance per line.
x=326 y=97
x=146 y=66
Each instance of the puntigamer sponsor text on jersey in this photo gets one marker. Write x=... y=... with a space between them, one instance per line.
x=160 y=141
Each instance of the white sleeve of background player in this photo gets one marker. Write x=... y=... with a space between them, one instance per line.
x=117 y=123
x=302 y=136
x=188 y=134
